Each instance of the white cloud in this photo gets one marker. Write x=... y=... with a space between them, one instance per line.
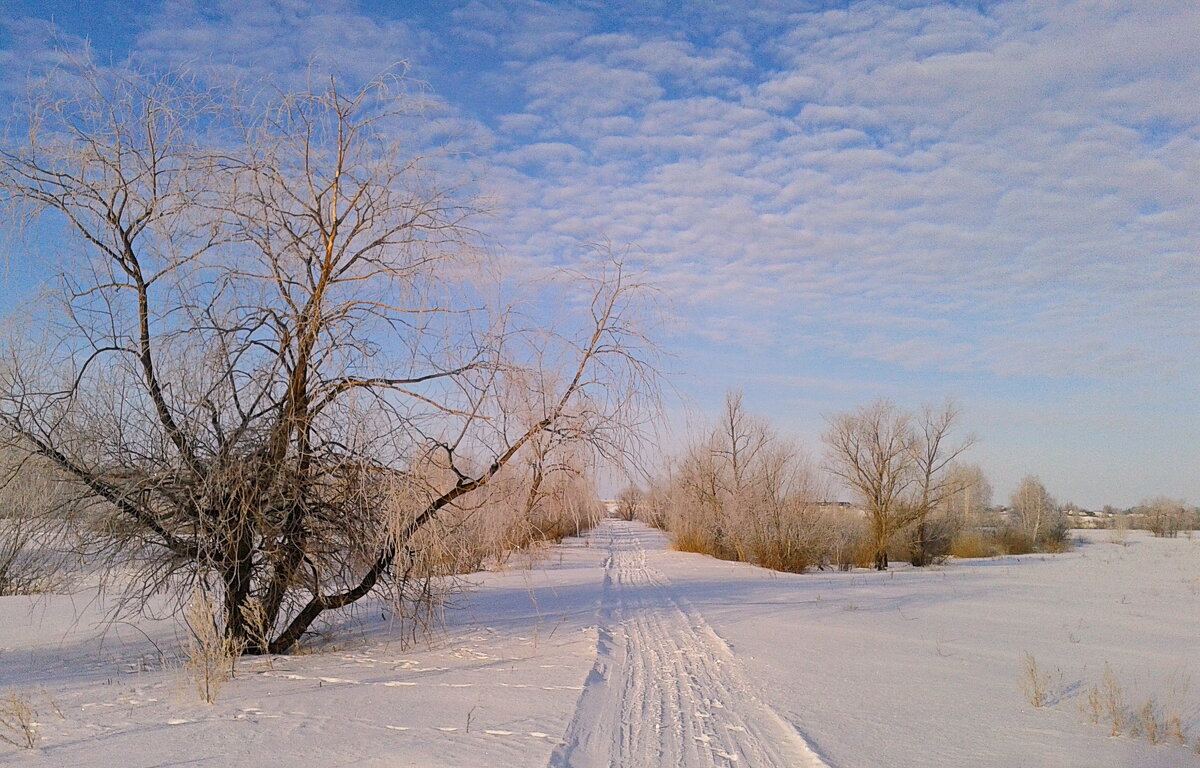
x=957 y=190
x=894 y=157
x=289 y=40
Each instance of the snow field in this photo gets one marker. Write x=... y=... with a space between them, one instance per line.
x=665 y=689
x=615 y=651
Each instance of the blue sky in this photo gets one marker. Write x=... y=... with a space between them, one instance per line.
x=996 y=201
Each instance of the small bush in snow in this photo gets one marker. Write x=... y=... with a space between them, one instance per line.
x=210 y=654
x=1112 y=695
x=18 y=725
x=1147 y=723
x=1035 y=682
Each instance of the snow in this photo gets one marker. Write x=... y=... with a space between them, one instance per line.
x=614 y=650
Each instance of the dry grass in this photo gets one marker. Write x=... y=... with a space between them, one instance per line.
x=1093 y=705
x=1004 y=541
x=1157 y=720
x=1147 y=723
x=1153 y=721
x=1112 y=699
x=1012 y=541
x=1174 y=708
x=210 y=655
x=690 y=540
x=973 y=544
x=1035 y=682
x=18 y=721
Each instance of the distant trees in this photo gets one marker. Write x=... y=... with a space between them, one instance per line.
x=1032 y=506
x=743 y=492
x=273 y=362
x=629 y=503
x=1165 y=517
x=970 y=494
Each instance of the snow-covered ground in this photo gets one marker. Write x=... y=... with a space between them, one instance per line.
x=613 y=650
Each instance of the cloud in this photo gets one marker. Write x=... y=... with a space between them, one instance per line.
x=993 y=193
x=923 y=161
x=289 y=40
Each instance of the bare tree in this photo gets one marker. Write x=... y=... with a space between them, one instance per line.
x=1034 y=508
x=872 y=451
x=933 y=453
x=630 y=502
x=1165 y=517
x=970 y=494
x=267 y=327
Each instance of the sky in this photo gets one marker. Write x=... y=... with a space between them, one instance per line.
x=992 y=201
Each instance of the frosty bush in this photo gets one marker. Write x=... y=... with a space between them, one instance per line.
x=742 y=492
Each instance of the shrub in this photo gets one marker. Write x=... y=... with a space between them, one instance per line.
x=1055 y=536
x=1035 y=682
x=972 y=544
x=18 y=724
x=210 y=654
x=1013 y=541
x=1112 y=697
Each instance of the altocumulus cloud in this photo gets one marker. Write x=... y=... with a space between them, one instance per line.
x=958 y=192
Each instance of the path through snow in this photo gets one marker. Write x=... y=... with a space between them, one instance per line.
x=665 y=689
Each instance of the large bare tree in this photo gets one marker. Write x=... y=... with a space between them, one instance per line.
x=933 y=453
x=897 y=465
x=871 y=451
x=270 y=327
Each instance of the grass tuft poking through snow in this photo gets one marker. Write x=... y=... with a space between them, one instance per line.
x=18 y=725
x=210 y=655
x=1035 y=682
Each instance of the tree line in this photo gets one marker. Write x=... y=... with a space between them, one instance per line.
x=743 y=491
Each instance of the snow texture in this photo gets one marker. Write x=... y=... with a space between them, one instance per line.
x=612 y=650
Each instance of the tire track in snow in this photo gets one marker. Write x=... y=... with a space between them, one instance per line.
x=665 y=689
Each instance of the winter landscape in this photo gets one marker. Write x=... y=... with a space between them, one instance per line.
x=599 y=385
x=612 y=650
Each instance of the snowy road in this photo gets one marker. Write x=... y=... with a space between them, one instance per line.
x=665 y=689
x=614 y=651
